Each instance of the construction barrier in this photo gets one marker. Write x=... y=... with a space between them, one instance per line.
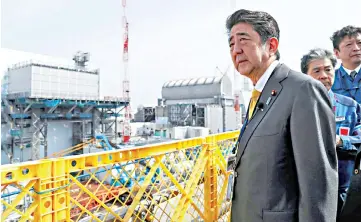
x=185 y=180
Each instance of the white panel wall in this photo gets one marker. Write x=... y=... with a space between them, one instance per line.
x=214 y=118
x=48 y=82
x=231 y=118
x=19 y=80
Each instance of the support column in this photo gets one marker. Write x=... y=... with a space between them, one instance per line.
x=51 y=191
x=210 y=182
x=95 y=122
x=116 y=126
x=45 y=135
x=102 y=121
x=77 y=133
x=42 y=197
x=21 y=146
x=35 y=140
x=83 y=131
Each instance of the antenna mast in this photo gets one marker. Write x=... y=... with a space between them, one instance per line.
x=127 y=115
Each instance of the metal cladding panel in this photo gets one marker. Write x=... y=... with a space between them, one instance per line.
x=16 y=156
x=60 y=137
x=231 y=120
x=191 y=92
x=214 y=119
x=161 y=111
x=60 y=83
x=4 y=137
x=197 y=88
x=4 y=132
x=19 y=80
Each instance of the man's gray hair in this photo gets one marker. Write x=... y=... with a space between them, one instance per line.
x=314 y=54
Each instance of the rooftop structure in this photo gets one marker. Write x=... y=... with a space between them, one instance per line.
x=203 y=89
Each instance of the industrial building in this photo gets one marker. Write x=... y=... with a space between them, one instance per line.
x=194 y=107
x=144 y=114
x=44 y=100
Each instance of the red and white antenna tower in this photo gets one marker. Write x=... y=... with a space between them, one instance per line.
x=127 y=114
x=237 y=110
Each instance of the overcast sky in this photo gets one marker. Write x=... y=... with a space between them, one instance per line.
x=167 y=39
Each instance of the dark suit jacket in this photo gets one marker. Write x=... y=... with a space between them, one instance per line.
x=287 y=169
x=351 y=211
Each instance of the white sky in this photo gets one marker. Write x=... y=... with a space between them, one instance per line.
x=167 y=39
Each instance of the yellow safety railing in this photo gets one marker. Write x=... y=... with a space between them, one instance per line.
x=185 y=180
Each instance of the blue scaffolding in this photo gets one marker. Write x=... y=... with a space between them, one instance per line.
x=41 y=110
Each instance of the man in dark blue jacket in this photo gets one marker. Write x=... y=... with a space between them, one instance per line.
x=320 y=64
x=347 y=47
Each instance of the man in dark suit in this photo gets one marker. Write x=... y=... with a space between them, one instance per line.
x=286 y=167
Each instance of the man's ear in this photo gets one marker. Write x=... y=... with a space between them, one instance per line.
x=273 y=46
x=337 y=53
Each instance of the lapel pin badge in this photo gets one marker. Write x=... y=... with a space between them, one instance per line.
x=273 y=93
x=268 y=101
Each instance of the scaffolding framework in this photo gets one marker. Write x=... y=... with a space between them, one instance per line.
x=28 y=120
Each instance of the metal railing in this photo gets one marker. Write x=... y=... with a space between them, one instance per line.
x=185 y=180
x=43 y=94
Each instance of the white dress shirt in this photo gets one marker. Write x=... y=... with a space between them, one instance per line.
x=349 y=71
x=264 y=78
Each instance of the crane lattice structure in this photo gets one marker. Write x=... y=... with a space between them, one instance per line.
x=127 y=114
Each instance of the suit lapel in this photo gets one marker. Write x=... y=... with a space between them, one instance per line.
x=279 y=74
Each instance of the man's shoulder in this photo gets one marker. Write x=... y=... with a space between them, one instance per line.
x=339 y=71
x=300 y=76
x=297 y=79
x=344 y=100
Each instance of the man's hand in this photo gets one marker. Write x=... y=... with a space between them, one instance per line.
x=338 y=141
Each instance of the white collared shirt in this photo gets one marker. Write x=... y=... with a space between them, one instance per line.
x=349 y=71
x=261 y=83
